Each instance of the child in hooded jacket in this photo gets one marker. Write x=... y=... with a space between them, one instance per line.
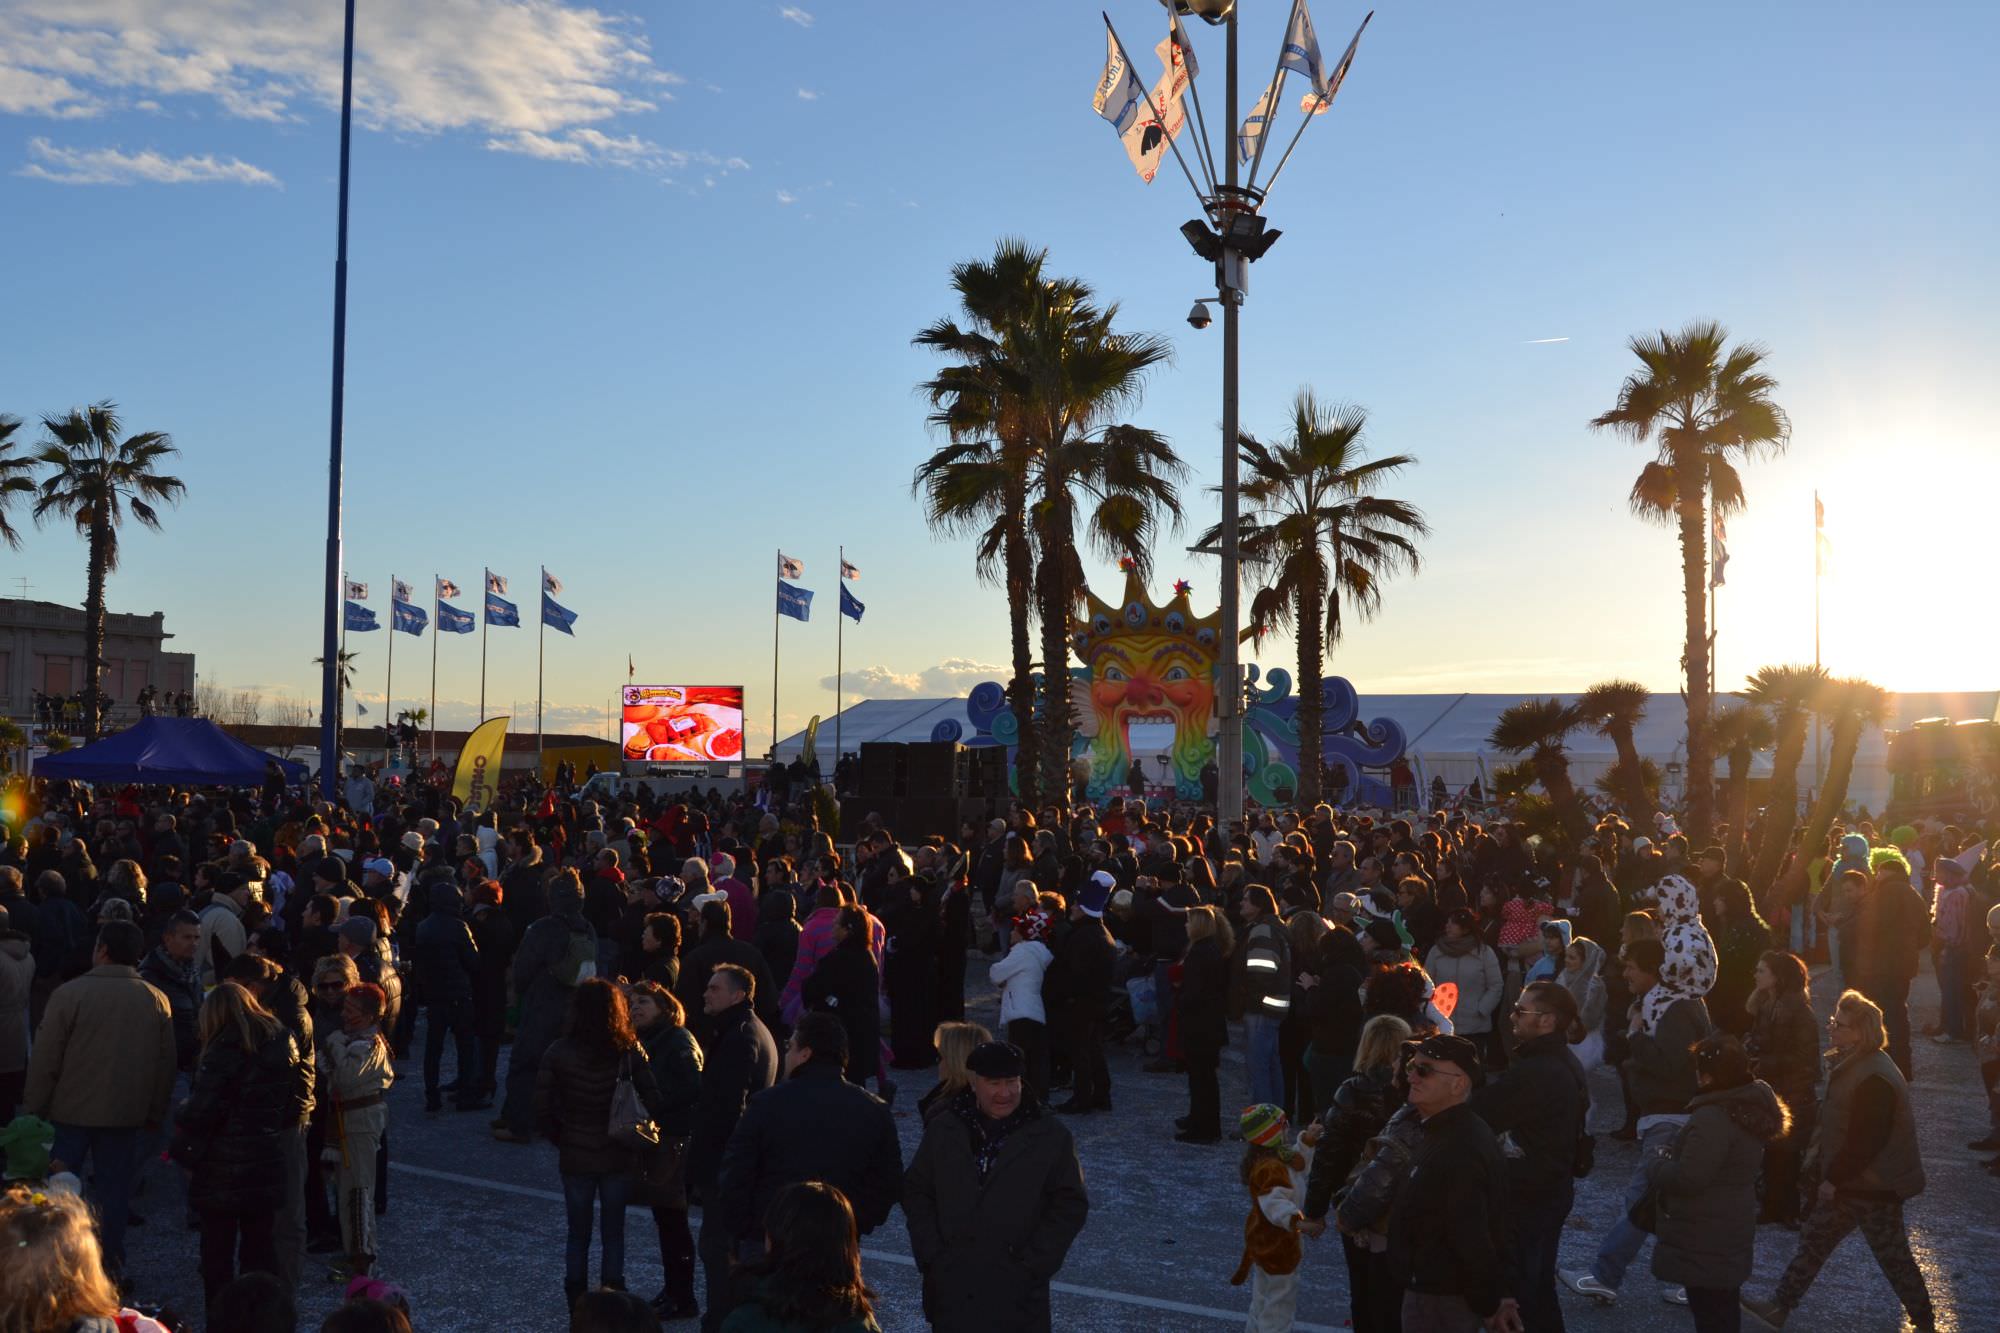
x=1023 y=1017
x=1274 y=1171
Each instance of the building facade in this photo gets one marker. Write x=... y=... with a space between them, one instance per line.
x=42 y=652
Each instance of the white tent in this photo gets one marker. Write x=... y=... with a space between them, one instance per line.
x=1447 y=734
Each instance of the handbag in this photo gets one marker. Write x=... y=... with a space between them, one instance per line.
x=631 y=1127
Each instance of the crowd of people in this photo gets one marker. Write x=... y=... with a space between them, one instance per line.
x=707 y=1001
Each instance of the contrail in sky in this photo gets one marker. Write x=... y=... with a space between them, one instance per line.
x=1532 y=341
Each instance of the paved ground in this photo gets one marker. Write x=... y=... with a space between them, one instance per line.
x=475 y=1227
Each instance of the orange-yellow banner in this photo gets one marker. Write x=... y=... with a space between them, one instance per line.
x=476 y=779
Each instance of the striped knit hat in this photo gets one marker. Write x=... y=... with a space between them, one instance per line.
x=1263 y=1125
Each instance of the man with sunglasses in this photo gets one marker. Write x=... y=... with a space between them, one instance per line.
x=1445 y=1230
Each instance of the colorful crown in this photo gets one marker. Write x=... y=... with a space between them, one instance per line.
x=1104 y=623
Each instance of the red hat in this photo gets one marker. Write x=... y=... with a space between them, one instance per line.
x=1033 y=925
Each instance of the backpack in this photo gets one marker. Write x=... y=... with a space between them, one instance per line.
x=578 y=963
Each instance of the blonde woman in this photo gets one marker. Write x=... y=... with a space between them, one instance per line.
x=251 y=1085
x=53 y=1280
x=955 y=1043
x=1864 y=1163
x=1203 y=1005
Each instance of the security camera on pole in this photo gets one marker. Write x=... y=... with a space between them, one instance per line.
x=1231 y=234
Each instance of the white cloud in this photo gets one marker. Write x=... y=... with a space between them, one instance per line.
x=787 y=197
x=505 y=67
x=808 y=95
x=793 y=14
x=952 y=678
x=111 y=166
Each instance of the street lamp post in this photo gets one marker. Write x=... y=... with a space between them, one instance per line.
x=1229 y=713
x=329 y=690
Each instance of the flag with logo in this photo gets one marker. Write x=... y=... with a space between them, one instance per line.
x=495 y=584
x=557 y=616
x=407 y=618
x=360 y=619
x=446 y=588
x=1300 y=53
x=848 y=570
x=850 y=606
x=356 y=592
x=500 y=611
x=794 y=602
x=1317 y=101
x=551 y=584
x=1256 y=123
x=451 y=620
x=475 y=777
x=400 y=591
x=1170 y=93
x=1121 y=99
x=1718 y=559
x=789 y=568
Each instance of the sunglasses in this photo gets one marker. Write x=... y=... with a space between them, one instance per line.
x=1419 y=1069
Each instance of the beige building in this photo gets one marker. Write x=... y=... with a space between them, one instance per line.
x=41 y=650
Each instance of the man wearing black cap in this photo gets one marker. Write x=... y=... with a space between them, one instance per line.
x=1086 y=963
x=1445 y=1232
x=994 y=1198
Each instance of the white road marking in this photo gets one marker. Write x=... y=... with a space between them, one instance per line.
x=885 y=1256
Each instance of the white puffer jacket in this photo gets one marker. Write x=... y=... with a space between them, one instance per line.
x=1019 y=977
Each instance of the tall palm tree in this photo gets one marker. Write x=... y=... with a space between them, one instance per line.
x=14 y=479
x=1614 y=709
x=1539 y=729
x=976 y=485
x=95 y=479
x=1706 y=407
x=1849 y=706
x=1790 y=694
x=1740 y=733
x=343 y=676
x=1315 y=524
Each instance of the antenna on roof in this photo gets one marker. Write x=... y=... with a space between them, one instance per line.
x=24 y=588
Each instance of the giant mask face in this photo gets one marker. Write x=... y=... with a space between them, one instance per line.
x=1146 y=663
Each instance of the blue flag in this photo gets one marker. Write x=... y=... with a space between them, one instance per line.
x=794 y=602
x=407 y=618
x=850 y=605
x=451 y=620
x=557 y=616
x=360 y=619
x=500 y=611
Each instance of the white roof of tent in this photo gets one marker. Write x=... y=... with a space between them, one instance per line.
x=878 y=720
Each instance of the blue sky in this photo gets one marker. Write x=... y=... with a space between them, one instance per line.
x=633 y=287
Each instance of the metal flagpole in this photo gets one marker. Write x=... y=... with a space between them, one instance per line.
x=329 y=689
x=485 y=623
x=343 y=650
x=1819 y=569
x=775 y=596
x=1229 y=792
x=838 y=660
x=437 y=619
x=389 y=681
x=1277 y=86
x=1204 y=150
x=541 y=637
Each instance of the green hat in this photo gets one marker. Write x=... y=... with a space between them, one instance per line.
x=1262 y=1125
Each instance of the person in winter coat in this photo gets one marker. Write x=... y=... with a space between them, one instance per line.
x=1741 y=937
x=1357 y=1113
x=778 y=931
x=809 y=1280
x=1706 y=1191
x=1784 y=1052
x=1331 y=985
x=845 y=985
x=676 y=1061
x=1023 y=1016
x=1088 y=962
x=719 y=945
x=1891 y=924
x=356 y=1070
x=1863 y=1166
x=1583 y=977
x=1688 y=966
x=994 y=1198
x=557 y=952
x=172 y=970
x=1266 y=963
x=1202 y=1011
x=574 y=1086
x=253 y=1080
x=1461 y=958
x=493 y=932
x=910 y=971
x=17 y=979
x=447 y=961
x=816 y=940
x=1274 y=1171
x=739 y=1062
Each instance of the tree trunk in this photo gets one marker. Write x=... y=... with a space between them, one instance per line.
x=1638 y=801
x=1312 y=696
x=93 y=629
x=1057 y=724
x=1736 y=799
x=1700 y=784
x=1021 y=690
x=1833 y=792
x=1781 y=812
x=1552 y=769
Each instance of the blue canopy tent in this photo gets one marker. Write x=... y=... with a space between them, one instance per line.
x=184 y=751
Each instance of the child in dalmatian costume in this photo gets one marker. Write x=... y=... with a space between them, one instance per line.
x=1689 y=969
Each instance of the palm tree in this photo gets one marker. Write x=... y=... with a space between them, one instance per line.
x=1789 y=694
x=94 y=479
x=1849 y=706
x=1614 y=709
x=1539 y=728
x=14 y=479
x=1739 y=733
x=1707 y=407
x=344 y=660
x=1312 y=517
x=977 y=484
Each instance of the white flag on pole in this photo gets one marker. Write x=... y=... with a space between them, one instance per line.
x=1315 y=103
x=551 y=584
x=1170 y=93
x=1256 y=123
x=401 y=591
x=446 y=588
x=1300 y=53
x=789 y=568
x=495 y=583
x=849 y=571
x=1123 y=100
x=356 y=592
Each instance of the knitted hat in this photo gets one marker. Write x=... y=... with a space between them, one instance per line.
x=358 y=931
x=1263 y=1125
x=1383 y=933
x=1033 y=925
